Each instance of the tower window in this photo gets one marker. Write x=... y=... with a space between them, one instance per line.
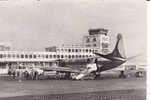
x=94 y=45
x=94 y=39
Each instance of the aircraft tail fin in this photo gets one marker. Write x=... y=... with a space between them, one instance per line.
x=118 y=51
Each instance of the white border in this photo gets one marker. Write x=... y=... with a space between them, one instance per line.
x=148 y=48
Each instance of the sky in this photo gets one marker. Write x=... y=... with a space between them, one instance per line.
x=32 y=25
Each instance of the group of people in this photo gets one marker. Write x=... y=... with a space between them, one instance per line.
x=28 y=73
x=33 y=73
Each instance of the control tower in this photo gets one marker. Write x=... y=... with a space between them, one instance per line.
x=97 y=39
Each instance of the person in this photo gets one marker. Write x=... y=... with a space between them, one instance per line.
x=90 y=67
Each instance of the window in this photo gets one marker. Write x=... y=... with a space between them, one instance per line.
x=83 y=56
x=62 y=56
x=62 y=50
x=90 y=50
x=1 y=56
x=30 y=56
x=79 y=56
x=34 y=56
x=83 y=50
x=50 y=56
x=26 y=56
x=13 y=55
x=86 y=56
x=72 y=56
x=72 y=50
x=46 y=56
x=86 y=50
x=58 y=56
x=80 y=50
x=18 y=56
x=76 y=56
x=54 y=56
x=76 y=50
x=69 y=56
x=69 y=50
x=88 y=45
x=66 y=50
x=94 y=39
x=43 y=56
x=22 y=56
x=66 y=56
x=94 y=45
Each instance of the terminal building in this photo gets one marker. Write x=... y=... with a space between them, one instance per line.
x=96 y=41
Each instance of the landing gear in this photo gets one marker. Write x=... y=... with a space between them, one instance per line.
x=97 y=75
x=122 y=75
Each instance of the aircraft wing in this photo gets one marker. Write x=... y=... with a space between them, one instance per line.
x=61 y=69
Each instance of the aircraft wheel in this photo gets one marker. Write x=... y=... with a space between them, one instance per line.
x=97 y=75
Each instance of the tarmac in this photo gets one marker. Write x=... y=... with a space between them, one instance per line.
x=114 y=88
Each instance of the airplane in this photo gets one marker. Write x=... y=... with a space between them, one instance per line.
x=104 y=62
